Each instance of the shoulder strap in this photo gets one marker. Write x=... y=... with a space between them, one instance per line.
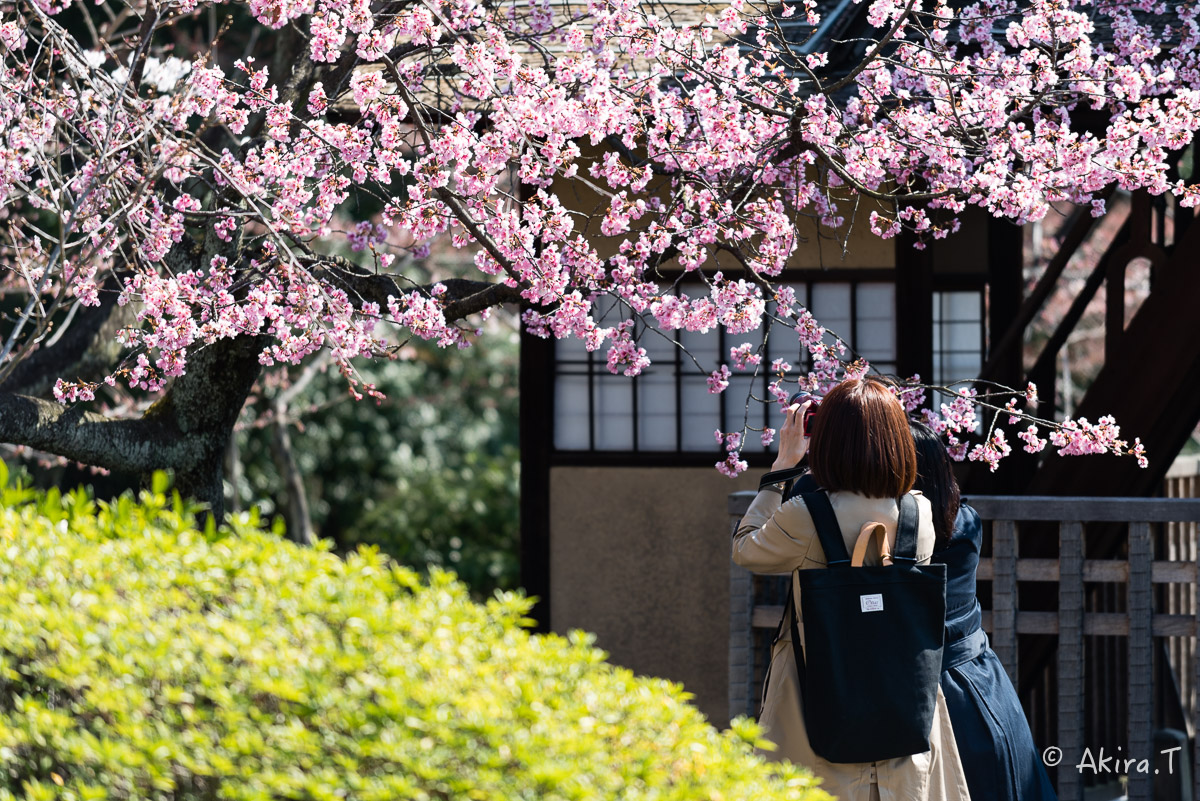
x=828 y=530
x=906 y=529
x=805 y=483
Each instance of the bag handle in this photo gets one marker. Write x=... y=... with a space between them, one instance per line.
x=868 y=533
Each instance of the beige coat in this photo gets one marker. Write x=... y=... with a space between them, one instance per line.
x=778 y=539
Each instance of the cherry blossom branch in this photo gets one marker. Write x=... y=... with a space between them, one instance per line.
x=875 y=51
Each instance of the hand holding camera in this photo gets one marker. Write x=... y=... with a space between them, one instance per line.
x=814 y=402
x=793 y=435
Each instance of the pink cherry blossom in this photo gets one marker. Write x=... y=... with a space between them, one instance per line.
x=743 y=357
x=718 y=382
x=578 y=160
x=1033 y=443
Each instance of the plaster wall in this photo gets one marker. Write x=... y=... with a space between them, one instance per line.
x=640 y=557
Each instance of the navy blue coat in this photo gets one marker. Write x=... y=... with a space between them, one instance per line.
x=993 y=737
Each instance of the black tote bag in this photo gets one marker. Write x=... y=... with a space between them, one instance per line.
x=872 y=657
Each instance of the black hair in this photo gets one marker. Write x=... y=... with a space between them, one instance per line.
x=935 y=479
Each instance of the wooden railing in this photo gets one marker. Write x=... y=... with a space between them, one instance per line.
x=756 y=607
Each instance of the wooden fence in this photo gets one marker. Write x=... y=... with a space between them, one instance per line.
x=1182 y=543
x=1138 y=581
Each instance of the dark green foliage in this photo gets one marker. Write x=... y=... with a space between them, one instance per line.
x=141 y=658
x=431 y=475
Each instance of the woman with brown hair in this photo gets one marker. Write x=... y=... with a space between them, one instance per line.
x=861 y=454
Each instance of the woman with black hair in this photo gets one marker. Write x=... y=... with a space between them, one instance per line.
x=993 y=737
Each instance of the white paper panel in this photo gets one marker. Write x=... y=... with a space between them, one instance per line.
x=876 y=327
x=876 y=301
x=960 y=306
x=877 y=340
x=660 y=345
x=962 y=336
x=571 y=413
x=703 y=347
x=784 y=343
x=735 y=402
x=656 y=409
x=570 y=350
x=957 y=366
x=701 y=415
x=957 y=336
x=613 y=397
x=831 y=304
x=831 y=307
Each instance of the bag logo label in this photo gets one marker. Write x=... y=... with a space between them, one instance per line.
x=871 y=603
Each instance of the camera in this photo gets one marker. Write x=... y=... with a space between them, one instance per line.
x=801 y=397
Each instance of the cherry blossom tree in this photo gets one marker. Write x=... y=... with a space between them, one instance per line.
x=174 y=176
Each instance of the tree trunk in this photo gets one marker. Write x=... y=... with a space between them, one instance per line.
x=186 y=431
x=295 y=512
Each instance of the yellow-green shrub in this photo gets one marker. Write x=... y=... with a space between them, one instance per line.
x=142 y=658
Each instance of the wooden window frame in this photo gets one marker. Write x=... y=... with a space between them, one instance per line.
x=680 y=456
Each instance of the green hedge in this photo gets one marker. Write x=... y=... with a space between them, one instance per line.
x=142 y=658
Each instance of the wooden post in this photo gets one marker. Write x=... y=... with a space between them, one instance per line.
x=1141 y=656
x=914 y=308
x=1005 y=249
x=1004 y=596
x=536 y=417
x=1070 y=657
x=1140 y=236
x=742 y=700
x=1196 y=681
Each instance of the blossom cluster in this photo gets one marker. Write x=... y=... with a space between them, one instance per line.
x=481 y=124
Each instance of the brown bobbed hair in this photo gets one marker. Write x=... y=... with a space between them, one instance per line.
x=861 y=443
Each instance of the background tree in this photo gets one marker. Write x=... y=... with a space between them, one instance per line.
x=431 y=475
x=173 y=176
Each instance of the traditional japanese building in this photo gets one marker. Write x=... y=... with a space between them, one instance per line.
x=624 y=523
x=624 y=529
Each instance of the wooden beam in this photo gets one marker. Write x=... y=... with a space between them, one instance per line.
x=1109 y=570
x=1053 y=508
x=1006 y=255
x=1196 y=683
x=1165 y=410
x=1095 y=624
x=1078 y=228
x=1141 y=654
x=1004 y=595
x=1100 y=624
x=1084 y=509
x=1048 y=358
x=1070 y=654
